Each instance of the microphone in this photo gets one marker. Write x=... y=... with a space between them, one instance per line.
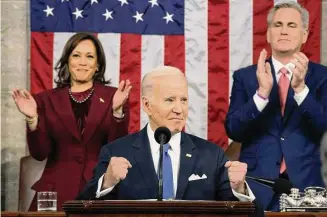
x=162 y=135
x=278 y=185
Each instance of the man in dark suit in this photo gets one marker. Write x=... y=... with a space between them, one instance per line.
x=278 y=108
x=196 y=169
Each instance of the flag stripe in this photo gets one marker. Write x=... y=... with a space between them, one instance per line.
x=218 y=67
x=175 y=51
x=260 y=12
x=196 y=66
x=152 y=57
x=312 y=47
x=111 y=47
x=240 y=37
x=41 y=61
x=281 y=1
x=130 y=68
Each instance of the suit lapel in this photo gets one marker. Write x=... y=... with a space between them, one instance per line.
x=61 y=103
x=143 y=158
x=101 y=100
x=290 y=104
x=274 y=104
x=187 y=160
x=275 y=98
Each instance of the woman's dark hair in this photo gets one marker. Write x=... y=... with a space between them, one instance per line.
x=62 y=65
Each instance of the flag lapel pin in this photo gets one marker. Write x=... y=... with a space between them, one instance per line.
x=101 y=100
x=188 y=155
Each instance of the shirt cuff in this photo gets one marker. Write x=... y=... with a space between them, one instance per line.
x=299 y=97
x=259 y=102
x=100 y=193
x=243 y=197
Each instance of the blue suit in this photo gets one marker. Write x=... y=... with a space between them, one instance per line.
x=267 y=136
x=198 y=156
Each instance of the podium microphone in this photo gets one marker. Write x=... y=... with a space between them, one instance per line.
x=162 y=135
x=278 y=185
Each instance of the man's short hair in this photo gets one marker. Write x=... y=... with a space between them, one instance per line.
x=149 y=79
x=290 y=4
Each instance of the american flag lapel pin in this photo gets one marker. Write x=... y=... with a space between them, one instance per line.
x=188 y=155
x=101 y=100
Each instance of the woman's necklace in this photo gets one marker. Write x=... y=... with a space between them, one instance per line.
x=81 y=101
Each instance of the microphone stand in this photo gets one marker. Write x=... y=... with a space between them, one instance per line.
x=160 y=189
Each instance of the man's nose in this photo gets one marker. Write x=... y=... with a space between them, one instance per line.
x=284 y=30
x=178 y=107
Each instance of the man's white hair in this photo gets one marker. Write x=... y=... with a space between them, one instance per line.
x=150 y=79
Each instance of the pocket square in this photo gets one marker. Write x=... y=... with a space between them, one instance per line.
x=196 y=177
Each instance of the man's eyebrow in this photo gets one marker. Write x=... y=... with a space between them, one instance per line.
x=280 y=22
x=277 y=22
x=289 y=23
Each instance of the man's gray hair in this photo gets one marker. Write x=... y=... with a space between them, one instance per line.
x=290 y=4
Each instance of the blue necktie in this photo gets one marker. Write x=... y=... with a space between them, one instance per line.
x=167 y=174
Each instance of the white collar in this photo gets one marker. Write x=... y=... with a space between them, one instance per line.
x=278 y=65
x=174 y=142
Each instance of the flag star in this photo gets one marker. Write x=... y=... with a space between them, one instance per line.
x=49 y=11
x=138 y=16
x=123 y=2
x=92 y=1
x=153 y=3
x=108 y=14
x=78 y=13
x=168 y=17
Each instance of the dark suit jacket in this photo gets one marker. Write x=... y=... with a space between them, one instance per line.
x=71 y=157
x=197 y=157
x=267 y=136
x=142 y=182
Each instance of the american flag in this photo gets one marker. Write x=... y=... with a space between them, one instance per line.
x=206 y=39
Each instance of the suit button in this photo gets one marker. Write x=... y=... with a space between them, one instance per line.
x=79 y=160
x=282 y=138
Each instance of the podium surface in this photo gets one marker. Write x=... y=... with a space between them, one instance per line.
x=157 y=208
x=62 y=214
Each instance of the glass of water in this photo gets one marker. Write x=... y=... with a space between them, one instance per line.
x=46 y=201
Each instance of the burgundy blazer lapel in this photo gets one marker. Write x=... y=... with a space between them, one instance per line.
x=61 y=103
x=101 y=102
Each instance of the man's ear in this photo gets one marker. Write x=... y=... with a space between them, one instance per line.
x=146 y=105
x=305 y=36
x=268 y=36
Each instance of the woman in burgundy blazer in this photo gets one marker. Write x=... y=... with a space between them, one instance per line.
x=69 y=124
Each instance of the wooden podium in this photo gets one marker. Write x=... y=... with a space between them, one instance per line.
x=123 y=208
